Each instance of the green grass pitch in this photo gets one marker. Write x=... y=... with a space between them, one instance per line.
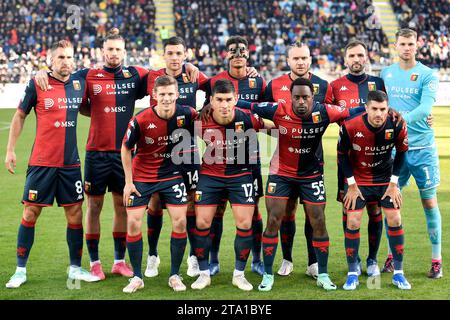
x=49 y=258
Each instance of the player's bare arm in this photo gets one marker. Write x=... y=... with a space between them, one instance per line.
x=14 y=132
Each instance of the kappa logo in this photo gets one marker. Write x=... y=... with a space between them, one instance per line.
x=343 y=88
x=48 y=103
x=152 y=126
x=250 y=199
x=359 y=134
x=96 y=88
x=100 y=75
x=284 y=88
x=321 y=198
x=389 y=75
x=80 y=197
x=49 y=87
x=286 y=117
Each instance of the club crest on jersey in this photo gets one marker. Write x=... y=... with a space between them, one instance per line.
x=372 y=86
x=32 y=195
x=414 y=77
x=76 y=85
x=185 y=77
x=198 y=196
x=316 y=88
x=251 y=83
x=180 y=121
x=316 y=117
x=126 y=73
x=239 y=126
x=130 y=201
x=87 y=186
x=271 y=188
x=389 y=134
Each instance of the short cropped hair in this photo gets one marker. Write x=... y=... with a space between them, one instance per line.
x=303 y=82
x=236 y=40
x=165 y=81
x=173 y=41
x=223 y=86
x=61 y=44
x=406 y=32
x=355 y=43
x=378 y=96
x=113 y=34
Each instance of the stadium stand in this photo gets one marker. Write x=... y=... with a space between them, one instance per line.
x=432 y=23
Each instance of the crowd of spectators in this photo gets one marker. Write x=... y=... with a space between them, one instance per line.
x=28 y=27
x=271 y=25
x=431 y=19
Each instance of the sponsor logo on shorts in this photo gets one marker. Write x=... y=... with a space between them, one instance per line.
x=87 y=186
x=198 y=196
x=32 y=195
x=272 y=187
x=130 y=201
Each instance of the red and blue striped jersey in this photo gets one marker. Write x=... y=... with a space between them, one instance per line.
x=351 y=91
x=55 y=143
x=155 y=139
x=247 y=89
x=369 y=149
x=186 y=89
x=298 y=138
x=278 y=89
x=112 y=93
x=231 y=150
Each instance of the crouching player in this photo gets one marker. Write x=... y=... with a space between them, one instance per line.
x=364 y=150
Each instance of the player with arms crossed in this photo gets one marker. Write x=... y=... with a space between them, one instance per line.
x=54 y=165
x=365 y=145
x=154 y=132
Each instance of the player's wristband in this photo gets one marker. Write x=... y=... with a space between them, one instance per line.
x=394 y=179
x=351 y=180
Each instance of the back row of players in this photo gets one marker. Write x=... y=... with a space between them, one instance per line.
x=302 y=111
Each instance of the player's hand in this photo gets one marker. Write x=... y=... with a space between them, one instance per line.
x=252 y=72
x=192 y=72
x=394 y=193
x=128 y=190
x=10 y=161
x=42 y=79
x=206 y=113
x=396 y=116
x=430 y=120
x=353 y=193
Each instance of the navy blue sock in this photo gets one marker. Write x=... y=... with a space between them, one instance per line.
x=242 y=246
x=287 y=233
x=92 y=241
x=25 y=239
x=257 y=229
x=74 y=236
x=120 y=245
x=190 y=226
x=396 y=243
x=202 y=246
x=154 y=225
x=135 y=247
x=269 y=244
x=177 y=247
x=216 y=236
x=375 y=231
x=321 y=246
x=352 y=238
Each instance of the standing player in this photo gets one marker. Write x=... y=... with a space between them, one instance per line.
x=154 y=132
x=174 y=56
x=250 y=89
x=54 y=165
x=412 y=88
x=299 y=61
x=226 y=172
x=295 y=171
x=365 y=145
x=350 y=91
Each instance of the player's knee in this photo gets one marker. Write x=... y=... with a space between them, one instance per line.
x=202 y=223
x=179 y=224
x=353 y=222
x=31 y=214
x=394 y=219
x=429 y=199
x=273 y=223
x=94 y=206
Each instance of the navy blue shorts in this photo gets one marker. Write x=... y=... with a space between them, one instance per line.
x=103 y=170
x=190 y=174
x=372 y=194
x=212 y=190
x=258 y=181
x=172 y=193
x=310 y=190
x=43 y=184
